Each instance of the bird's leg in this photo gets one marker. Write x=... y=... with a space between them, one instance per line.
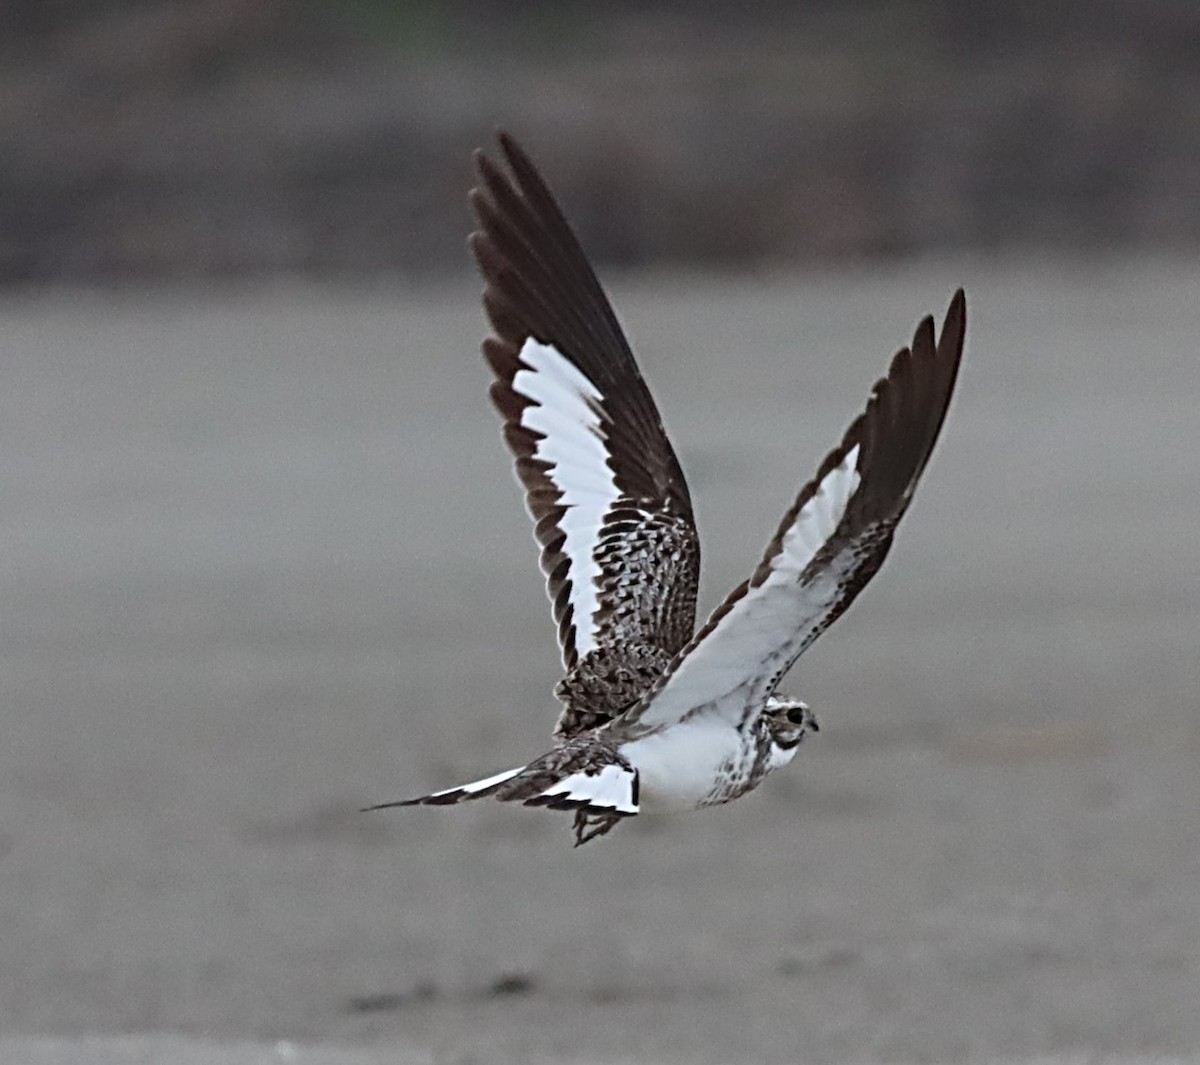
x=597 y=823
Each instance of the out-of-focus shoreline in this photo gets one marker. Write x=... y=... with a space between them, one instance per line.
x=215 y=139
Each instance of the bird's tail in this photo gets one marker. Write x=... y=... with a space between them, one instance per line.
x=568 y=778
x=477 y=789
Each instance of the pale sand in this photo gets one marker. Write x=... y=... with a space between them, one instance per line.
x=261 y=561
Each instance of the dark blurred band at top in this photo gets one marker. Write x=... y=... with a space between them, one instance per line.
x=205 y=139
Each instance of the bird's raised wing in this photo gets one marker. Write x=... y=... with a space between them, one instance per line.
x=611 y=508
x=829 y=545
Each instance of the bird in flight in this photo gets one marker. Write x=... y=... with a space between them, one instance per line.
x=655 y=714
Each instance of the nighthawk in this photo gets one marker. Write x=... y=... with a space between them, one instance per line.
x=657 y=715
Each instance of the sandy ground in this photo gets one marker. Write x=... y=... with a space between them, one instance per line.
x=261 y=561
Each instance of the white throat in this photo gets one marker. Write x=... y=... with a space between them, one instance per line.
x=778 y=756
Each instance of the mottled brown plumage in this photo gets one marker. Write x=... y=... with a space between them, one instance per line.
x=654 y=716
x=539 y=284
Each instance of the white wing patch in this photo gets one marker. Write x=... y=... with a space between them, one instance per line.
x=477 y=786
x=564 y=411
x=610 y=789
x=818 y=519
x=754 y=637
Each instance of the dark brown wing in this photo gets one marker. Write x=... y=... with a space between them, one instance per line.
x=829 y=545
x=610 y=505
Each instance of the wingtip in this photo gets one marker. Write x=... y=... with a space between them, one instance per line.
x=956 y=312
x=508 y=143
x=954 y=325
x=499 y=134
x=490 y=175
x=924 y=334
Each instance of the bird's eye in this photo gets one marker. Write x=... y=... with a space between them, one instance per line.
x=796 y=716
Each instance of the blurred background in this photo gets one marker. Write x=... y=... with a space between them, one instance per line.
x=262 y=561
x=204 y=139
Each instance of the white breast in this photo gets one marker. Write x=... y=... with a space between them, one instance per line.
x=681 y=766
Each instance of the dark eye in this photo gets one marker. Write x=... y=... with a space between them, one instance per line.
x=796 y=717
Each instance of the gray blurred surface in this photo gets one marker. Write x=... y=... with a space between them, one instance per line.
x=183 y=1050
x=261 y=561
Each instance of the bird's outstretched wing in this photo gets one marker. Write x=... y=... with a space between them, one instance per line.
x=610 y=505
x=829 y=545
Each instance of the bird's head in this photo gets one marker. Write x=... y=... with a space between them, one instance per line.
x=788 y=721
